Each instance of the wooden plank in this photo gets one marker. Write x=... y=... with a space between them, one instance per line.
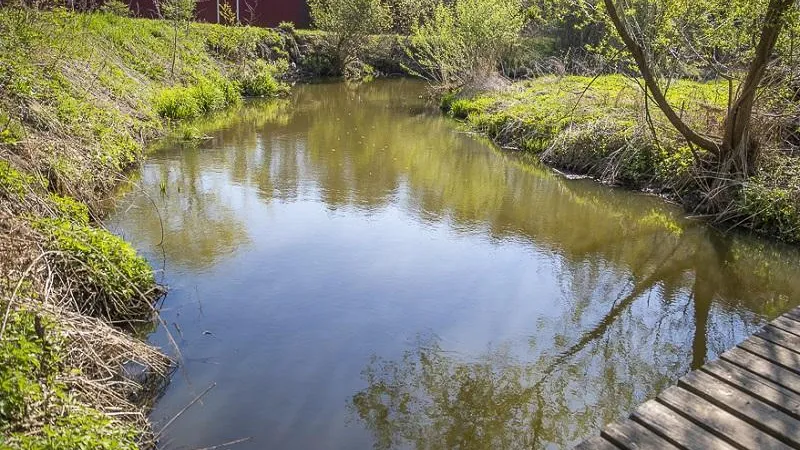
x=630 y=435
x=749 y=409
x=763 y=367
x=768 y=392
x=596 y=443
x=788 y=325
x=779 y=355
x=718 y=421
x=677 y=429
x=780 y=337
x=793 y=314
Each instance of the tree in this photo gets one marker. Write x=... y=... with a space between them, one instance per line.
x=736 y=150
x=180 y=13
x=465 y=42
x=350 y=22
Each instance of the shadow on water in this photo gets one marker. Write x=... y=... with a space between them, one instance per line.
x=355 y=271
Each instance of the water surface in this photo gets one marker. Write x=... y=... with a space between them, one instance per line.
x=354 y=271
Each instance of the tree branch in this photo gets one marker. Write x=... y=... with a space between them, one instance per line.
x=650 y=81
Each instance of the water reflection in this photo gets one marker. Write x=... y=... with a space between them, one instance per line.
x=489 y=303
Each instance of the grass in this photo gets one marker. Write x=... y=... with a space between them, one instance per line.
x=80 y=95
x=599 y=127
x=31 y=392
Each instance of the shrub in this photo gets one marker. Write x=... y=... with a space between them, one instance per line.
x=176 y=103
x=349 y=22
x=179 y=103
x=287 y=26
x=260 y=79
x=466 y=40
x=108 y=278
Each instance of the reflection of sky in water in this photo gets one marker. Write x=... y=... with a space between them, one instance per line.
x=506 y=307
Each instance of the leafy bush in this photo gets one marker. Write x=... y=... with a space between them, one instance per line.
x=466 y=40
x=179 y=103
x=349 y=22
x=260 y=79
x=176 y=103
x=109 y=277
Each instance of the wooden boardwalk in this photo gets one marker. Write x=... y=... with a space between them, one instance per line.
x=747 y=399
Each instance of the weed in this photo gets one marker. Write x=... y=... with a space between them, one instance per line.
x=110 y=279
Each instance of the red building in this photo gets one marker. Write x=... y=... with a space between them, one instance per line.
x=265 y=13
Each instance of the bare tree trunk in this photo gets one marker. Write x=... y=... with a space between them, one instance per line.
x=174 y=50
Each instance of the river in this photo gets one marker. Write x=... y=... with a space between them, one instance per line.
x=355 y=271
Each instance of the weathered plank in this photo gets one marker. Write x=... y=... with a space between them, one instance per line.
x=749 y=409
x=630 y=435
x=596 y=443
x=788 y=325
x=760 y=366
x=748 y=399
x=677 y=429
x=780 y=337
x=773 y=394
x=794 y=314
x=718 y=421
x=779 y=355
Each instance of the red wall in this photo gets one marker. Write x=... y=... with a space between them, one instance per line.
x=265 y=13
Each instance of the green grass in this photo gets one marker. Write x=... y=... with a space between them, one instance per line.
x=31 y=394
x=589 y=125
x=80 y=95
x=598 y=127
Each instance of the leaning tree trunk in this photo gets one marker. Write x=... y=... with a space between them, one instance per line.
x=739 y=150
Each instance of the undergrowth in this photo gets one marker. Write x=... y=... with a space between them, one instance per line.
x=80 y=95
x=602 y=127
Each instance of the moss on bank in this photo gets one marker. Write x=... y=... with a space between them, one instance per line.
x=80 y=95
x=601 y=127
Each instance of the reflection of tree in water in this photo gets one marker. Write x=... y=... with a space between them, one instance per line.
x=646 y=295
x=622 y=338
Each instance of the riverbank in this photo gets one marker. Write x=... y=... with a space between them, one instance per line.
x=80 y=96
x=601 y=128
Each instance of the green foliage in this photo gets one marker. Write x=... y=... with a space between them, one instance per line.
x=227 y=15
x=71 y=209
x=13 y=183
x=259 y=80
x=178 y=11
x=592 y=126
x=28 y=361
x=176 y=103
x=237 y=43
x=287 y=27
x=113 y=274
x=770 y=201
x=11 y=130
x=467 y=40
x=180 y=103
x=82 y=429
x=405 y=14
x=349 y=22
x=116 y=7
x=31 y=355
